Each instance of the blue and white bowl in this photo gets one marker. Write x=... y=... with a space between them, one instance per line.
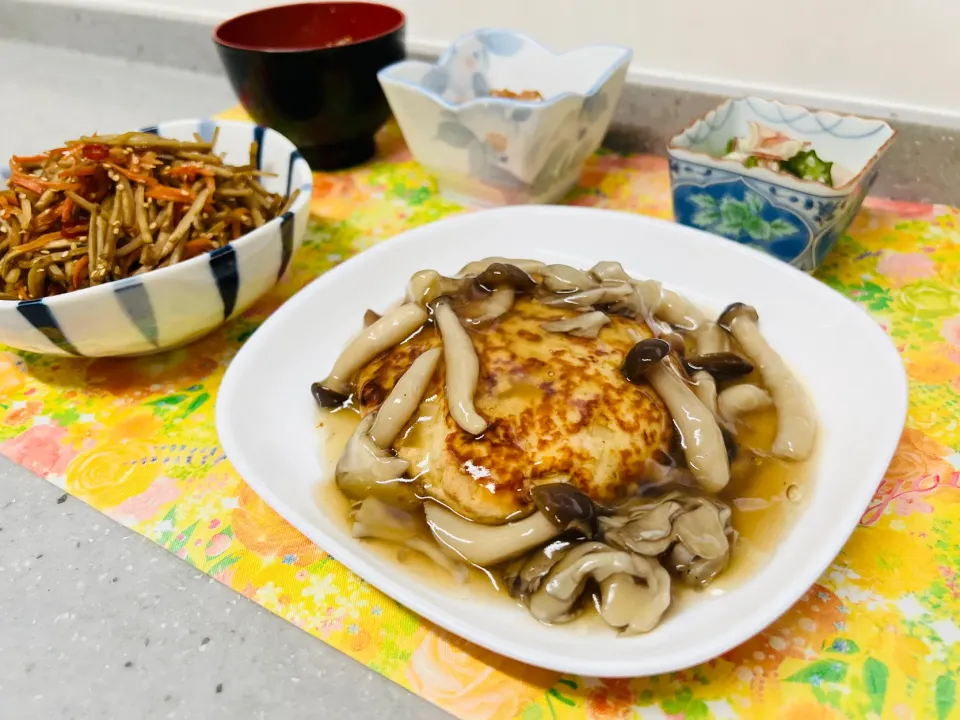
x=797 y=221
x=491 y=151
x=172 y=306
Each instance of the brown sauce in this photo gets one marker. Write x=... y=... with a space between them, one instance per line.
x=757 y=493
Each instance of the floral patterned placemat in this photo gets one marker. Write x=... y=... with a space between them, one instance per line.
x=877 y=637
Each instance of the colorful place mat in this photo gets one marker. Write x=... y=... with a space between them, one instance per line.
x=877 y=637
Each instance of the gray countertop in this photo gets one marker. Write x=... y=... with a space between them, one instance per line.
x=96 y=621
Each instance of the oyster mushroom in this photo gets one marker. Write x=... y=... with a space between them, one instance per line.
x=404 y=399
x=796 y=423
x=586 y=325
x=463 y=369
x=610 y=271
x=566 y=279
x=637 y=588
x=367 y=470
x=702 y=441
x=486 y=545
x=740 y=400
x=693 y=570
x=549 y=609
x=635 y=602
x=427 y=285
x=523 y=576
x=478 y=266
x=392 y=329
x=643 y=528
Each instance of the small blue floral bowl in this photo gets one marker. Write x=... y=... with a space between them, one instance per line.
x=797 y=221
x=487 y=150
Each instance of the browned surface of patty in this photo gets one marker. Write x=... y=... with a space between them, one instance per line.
x=558 y=407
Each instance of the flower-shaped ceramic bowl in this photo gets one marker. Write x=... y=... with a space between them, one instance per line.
x=797 y=221
x=491 y=151
x=172 y=306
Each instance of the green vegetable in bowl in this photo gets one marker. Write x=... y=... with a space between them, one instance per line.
x=806 y=165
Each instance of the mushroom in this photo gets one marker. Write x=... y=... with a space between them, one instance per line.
x=644 y=528
x=485 y=545
x=740 y=400
x=427 y=285
x=376 y=519
x=478 y=266
x=610 y=271
x=701 y=438
x=635 y=602
x=463 y=369
x=391 y=329
x=404 y=399
x=523 y=576
x=504 y=275
x=710 y=339
x=565 y=279
x=796 y=423
x=584 y=300
x=497 y=303
x=669 y=306
x=635 y=590
x=503 y=282
x=367 y=470
x=549 y=609
x=370 y=317
x=586 y=325
x=424 y=547
x=566 y=506
x=693 y=570
x=720 y=365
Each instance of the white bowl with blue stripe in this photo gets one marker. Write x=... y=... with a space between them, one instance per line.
x=172 y=306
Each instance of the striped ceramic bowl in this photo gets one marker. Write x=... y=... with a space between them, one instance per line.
x=175 y=305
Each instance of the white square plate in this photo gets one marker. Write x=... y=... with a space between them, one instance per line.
x=266 y=416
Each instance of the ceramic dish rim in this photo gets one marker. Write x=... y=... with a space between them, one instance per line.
x=811 y=187
x=625 y=58
x=215 y=35
x=54 y=301
x=358 y=559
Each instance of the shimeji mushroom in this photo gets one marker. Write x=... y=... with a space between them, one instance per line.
x=796 y=423
x=462 y=368
x=367 y=470
x=427 y=285
x=503 y=282
x=478 y=266
x=585 y=300
x=485 y=545
x=560 y=508
x=740 y=400
x=392 y=329
x=404 y=399
x=702 y=441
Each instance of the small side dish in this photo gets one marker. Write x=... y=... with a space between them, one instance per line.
x=583 y=438
x=780 y=178
x=108 y=207
x=766 y=147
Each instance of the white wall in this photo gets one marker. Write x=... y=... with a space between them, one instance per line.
x=896 y=58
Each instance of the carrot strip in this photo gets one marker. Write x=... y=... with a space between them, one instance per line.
x=169 y=194
x=128 y=174
x=66 y=211
x=79 y=270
